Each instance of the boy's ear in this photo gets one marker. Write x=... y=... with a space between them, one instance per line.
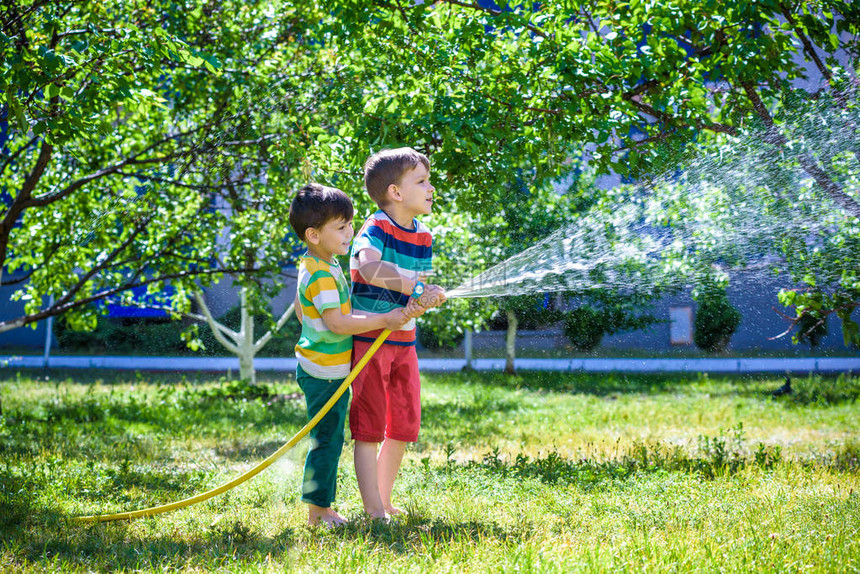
x=312 y=236
x=393 y=193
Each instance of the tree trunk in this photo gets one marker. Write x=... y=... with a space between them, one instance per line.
x=246 y=368
x=510 y=343
x=246 y=342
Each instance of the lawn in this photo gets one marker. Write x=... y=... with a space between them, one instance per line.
x=544 y=472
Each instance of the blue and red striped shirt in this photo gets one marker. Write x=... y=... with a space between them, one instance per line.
x=409 y=251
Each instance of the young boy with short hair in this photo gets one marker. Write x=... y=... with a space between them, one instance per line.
x=322 y=218
x=391 y=257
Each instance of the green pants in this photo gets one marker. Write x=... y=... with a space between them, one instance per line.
x=320 y=480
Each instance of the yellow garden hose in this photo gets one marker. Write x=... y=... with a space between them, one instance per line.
x=257 y=469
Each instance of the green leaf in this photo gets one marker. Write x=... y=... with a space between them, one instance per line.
x=19 y=115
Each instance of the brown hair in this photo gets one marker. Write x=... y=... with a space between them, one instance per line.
x=315 y=205
x=387 y=167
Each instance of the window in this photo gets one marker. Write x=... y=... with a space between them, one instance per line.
x=681 y=325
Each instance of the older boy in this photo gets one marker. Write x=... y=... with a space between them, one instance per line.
x=390 y=258
x=322 y=218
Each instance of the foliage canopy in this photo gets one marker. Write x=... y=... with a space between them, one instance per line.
x=146 y=144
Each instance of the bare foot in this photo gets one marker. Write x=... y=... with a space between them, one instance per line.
x=324 y=516
x=382 y=517
x=335 y=519
x=393 y=510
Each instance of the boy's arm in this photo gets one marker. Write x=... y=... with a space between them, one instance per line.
x=297 y=307
x=382 y=274
x=355 y=323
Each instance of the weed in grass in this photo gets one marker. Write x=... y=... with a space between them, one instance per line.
x=817 y=390
x=847 y=457
x=767 y=458
x=717 y=456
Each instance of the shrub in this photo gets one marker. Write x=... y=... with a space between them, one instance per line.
x=584 y=327
x=826 y=391
x=438 y=330
x=443 y=338
x=124 y=336
x=716 y=319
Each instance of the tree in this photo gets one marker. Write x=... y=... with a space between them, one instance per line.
x=640 y=85
x=129 y=130
x=489 y=93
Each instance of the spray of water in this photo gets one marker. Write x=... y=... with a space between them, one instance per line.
x=724 y=211
x=597 y=251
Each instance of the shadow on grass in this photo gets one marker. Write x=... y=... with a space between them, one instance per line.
x=77 y=425
x=111 y=547
x=251 y=452
x=416 y=533
x=50 y=541
x=812 y=390
x=470 y=410
x=20 y=492
x=722 y=455
x=87 y=377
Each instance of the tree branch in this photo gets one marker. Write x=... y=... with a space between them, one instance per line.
x=33 y=269
x=49 y=198
x=204 y=187
x=651 y=139
x=807 y=162
x=8 y=161
x=283 y=319
x=807 y=44
x=78 y=32
x=103 y=263
x=57 y=309
x=20 y=202
x=218 y=330
x=37 y=171
x=670 y=119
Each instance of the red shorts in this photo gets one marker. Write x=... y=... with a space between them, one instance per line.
x=386 y=394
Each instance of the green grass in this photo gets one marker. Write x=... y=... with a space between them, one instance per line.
x=544 y=472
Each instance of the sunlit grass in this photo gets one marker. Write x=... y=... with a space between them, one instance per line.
x=544 y=472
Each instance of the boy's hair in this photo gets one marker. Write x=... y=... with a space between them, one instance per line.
x=315 y=205
x=387 y=167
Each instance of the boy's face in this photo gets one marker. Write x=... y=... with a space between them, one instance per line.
x=416 y=191
x=333 y=238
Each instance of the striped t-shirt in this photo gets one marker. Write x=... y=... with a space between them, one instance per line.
x=410 y=251
x=320 y=352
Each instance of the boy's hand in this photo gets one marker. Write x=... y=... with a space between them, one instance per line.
x=433 y=296
x=394 y=320
x=414 y=309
